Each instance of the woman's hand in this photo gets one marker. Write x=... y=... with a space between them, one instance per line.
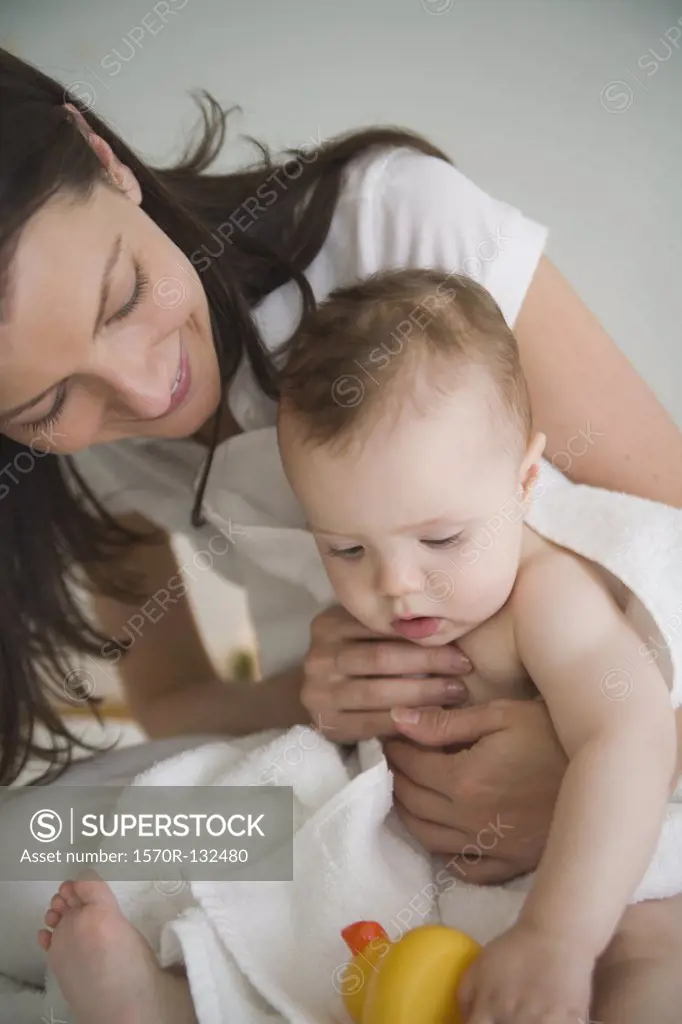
x=352 y=678
x=489 y=806
x=526 y=975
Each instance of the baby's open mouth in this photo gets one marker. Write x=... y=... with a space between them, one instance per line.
x=417 y=627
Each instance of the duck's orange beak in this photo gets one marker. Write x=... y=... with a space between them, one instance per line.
x=360 y=934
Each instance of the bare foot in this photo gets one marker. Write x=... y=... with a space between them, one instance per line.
x=107 y=971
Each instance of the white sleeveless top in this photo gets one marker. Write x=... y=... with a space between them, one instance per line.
x=397 y=208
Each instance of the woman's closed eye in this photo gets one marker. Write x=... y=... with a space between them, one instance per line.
x=139 y=291
x=53 y=415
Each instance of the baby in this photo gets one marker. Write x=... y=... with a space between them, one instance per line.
x=405 y=430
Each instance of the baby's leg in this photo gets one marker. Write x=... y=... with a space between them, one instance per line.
x=639 y=977
x=106 y=970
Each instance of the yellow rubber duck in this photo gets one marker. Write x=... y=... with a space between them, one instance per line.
x=411 y=981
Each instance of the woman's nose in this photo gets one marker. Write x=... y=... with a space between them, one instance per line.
x=141 y=375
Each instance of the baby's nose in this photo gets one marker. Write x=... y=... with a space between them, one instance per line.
x=400 y=579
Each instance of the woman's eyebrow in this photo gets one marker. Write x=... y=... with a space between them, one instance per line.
x=112 y=259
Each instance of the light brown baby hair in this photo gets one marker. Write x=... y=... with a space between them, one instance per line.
x=357 y=357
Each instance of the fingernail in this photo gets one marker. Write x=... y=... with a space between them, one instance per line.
x=464 y=662
x=406 y=716
x=454 y=689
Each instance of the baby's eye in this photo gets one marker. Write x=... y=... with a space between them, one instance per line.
x=446 y=542
x=349 y=553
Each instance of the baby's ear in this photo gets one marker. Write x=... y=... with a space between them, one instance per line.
x=530 y=467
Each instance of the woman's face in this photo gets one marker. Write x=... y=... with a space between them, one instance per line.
x=105 y=331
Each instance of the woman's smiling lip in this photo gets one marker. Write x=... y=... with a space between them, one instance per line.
x=181 y=385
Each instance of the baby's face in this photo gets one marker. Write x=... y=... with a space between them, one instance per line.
x=420 y=524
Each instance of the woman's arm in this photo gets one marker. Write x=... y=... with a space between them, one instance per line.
x=604 y=426
x=169 y=680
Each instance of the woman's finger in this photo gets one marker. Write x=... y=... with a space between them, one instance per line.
x=434 y=837
x=400 y=658
x=353 y=726
x=430 y=769
x=487 y=871
x=384 y=693
x=426 y=804
x=443 y=726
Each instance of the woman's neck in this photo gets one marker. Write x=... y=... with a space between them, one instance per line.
x=228 y=428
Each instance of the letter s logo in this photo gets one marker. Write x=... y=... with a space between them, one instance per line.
x=46 y=826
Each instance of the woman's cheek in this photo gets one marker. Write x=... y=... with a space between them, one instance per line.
x=70 y=434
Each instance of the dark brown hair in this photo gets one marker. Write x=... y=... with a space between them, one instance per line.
x=356 y=356
x=50 y=531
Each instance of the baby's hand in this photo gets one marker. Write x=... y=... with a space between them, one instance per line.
x=528 y=977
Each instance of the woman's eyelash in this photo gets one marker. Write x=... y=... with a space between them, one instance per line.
x=54 y=413
x=446 y=542
x=140 y=290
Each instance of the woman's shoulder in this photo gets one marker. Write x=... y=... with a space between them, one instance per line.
x=400 y=207
x=389 y=172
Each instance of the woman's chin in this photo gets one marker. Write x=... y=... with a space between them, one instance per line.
x=187 y=420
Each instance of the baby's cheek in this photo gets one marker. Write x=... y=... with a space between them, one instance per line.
x=345 y=588
x=495 y=575
x=353 y=593
x=474 y=583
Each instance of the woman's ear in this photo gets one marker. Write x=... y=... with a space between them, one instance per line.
x=82 y=125
x=530 y=467
x=120 y=175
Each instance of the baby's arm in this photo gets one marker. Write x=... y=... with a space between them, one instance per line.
x=611 y=709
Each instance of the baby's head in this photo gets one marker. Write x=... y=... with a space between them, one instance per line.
x=406 y=435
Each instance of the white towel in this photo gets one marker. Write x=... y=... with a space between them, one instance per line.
x=261 y=952
x=266 y=952
x=640 y=543
x=23 y=1004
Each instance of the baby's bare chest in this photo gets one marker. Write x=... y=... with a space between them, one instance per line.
x=498 y=670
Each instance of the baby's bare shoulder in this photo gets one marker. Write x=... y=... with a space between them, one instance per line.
x=548 y=571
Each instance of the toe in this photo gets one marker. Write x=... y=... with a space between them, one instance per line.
x=58 y=904
x=67 y=891
x=52 y=918
x=44 y=939
x=95 y=891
